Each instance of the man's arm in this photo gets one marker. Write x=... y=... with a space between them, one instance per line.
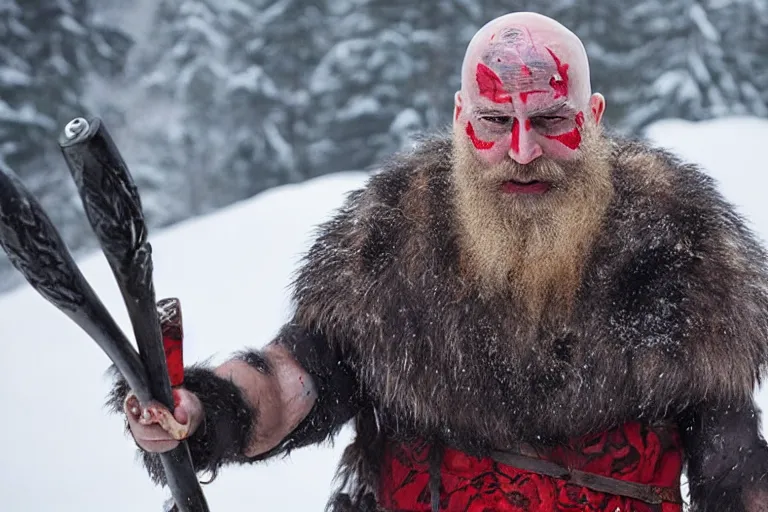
x=727 y=459
x=295 y=392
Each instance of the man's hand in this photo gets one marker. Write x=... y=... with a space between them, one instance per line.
x=155 y=428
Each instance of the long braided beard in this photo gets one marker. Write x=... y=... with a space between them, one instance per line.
x=532 y=247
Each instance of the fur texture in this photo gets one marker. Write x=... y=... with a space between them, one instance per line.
x=653 y=308
x=669 y=315
x=726 y=456
x=227 y=426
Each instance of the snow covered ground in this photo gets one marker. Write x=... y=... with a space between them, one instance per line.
x=59 y=451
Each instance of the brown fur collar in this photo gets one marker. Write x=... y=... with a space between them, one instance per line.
x=672 y=310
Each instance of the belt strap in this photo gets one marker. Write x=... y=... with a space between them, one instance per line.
x=648 y=493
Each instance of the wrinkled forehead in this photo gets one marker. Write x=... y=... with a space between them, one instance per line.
x=514 y=47
x=527 y=53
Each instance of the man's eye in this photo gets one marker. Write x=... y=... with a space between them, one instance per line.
x=497 y=119
x=547 y=120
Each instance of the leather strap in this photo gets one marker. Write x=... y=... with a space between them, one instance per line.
x=648 y=493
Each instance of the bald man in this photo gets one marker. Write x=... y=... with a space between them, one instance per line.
x=526 y=314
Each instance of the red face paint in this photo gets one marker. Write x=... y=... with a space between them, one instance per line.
x=560 y=86
x=458 y=111
x=479 y=144
x=490 y=85
x=527 y=125
x=580 y=119
x=515 y=144
x=571 y=139
x=525 y=70
x=524 y=95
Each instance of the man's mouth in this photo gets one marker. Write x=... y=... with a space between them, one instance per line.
x=525 y=187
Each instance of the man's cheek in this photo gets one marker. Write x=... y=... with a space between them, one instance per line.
x=563 y=147
x=479 y=141
x=491 y=147
x=496 y=154
x=567 y=142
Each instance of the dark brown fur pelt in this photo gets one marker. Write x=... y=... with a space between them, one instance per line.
x=671 y=312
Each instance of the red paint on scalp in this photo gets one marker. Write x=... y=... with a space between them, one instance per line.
x=571 y=139
x=515 y=144
x=479 y=144
x=524 y=95
x=490 y=85
x=560 y=86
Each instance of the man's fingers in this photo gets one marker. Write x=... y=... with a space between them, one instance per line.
x=155 y=427
x=152 y=437
x=189 y=409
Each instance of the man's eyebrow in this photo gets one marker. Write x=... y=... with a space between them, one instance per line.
x=561 y=108
x=481 y=111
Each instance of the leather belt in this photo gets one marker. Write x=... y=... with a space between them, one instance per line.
x=648 y=493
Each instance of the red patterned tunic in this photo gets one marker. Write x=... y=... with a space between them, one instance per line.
x=633 y=452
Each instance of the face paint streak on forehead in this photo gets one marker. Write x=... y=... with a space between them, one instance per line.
x=571 y=139
x=560 y=86
x=524 y=95
x=515 y=144
x=479 y=144
x=490 y=85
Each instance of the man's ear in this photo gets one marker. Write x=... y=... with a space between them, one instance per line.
x=456 y=105
x=597 y=104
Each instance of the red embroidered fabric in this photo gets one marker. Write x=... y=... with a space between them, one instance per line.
x=633 y=452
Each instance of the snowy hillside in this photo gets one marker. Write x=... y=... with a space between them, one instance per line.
x=59 y=451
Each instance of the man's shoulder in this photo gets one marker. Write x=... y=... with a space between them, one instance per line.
x=649 y=171
x=411 y=170
x=405 y=191
x=669 y=206
x=403 y=197
x=654 y=183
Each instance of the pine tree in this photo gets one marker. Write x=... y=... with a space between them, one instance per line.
x=685 y=59
x=267 y=92
x=173 y=126
x=49 y=50
x=391 y=72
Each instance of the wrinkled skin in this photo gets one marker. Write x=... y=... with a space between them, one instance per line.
x=525 y=91
x=283 y=397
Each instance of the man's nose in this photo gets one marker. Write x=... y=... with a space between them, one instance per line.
x=524 y=149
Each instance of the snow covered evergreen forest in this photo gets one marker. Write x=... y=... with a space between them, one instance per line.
x=214 y=101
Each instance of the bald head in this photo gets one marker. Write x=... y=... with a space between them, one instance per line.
x=529 y=74
x=521 y=46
